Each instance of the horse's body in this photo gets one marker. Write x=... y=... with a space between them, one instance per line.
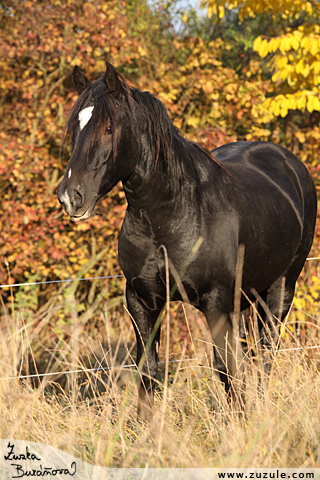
x=253 y=193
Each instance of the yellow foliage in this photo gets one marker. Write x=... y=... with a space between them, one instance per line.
x=313 y=103
x=299 y=303
x=142 y=51
x=295 y=55
x=251 y=8
x=193 y=122
x=263 y=50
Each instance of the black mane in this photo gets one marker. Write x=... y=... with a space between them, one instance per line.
x=162 y=132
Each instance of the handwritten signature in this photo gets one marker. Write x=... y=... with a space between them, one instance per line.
x=39 y=471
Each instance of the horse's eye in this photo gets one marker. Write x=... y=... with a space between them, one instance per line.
x=109 y=130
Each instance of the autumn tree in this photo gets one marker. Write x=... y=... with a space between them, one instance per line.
x=293 y=52
x=40 y=42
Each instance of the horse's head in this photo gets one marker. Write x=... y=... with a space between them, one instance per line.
x=104 y=146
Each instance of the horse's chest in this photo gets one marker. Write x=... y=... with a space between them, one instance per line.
x=141 y=263
x=138 y=252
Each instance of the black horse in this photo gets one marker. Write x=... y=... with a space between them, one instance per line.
x=253 y=193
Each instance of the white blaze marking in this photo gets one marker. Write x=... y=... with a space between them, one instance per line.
x=69 y=174
x=84 y=116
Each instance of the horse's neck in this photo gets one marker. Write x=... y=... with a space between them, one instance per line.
x=150 y=188
x=160 y=185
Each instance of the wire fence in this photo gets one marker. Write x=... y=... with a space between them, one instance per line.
x=21 y=377
x=58 y=281
x=81 y=279
x=99 y=369
x=133 y=365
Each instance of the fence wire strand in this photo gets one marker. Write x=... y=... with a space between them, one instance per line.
x=117 y=367
x=81 y=279
x=59 y=281
x=98 y=369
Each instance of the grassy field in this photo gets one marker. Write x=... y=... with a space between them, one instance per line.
x=93 y=415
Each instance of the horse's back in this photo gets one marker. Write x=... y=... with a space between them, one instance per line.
x=265 y=165
x=267 y=157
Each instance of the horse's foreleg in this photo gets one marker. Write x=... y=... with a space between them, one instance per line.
x=228 y=355
x=144 y=321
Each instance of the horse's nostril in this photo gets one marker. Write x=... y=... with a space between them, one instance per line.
x=77 y=200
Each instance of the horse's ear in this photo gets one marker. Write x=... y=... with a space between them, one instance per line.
x=112 y=81
x=80 y=80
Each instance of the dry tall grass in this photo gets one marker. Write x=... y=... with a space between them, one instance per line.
x=94 y=416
